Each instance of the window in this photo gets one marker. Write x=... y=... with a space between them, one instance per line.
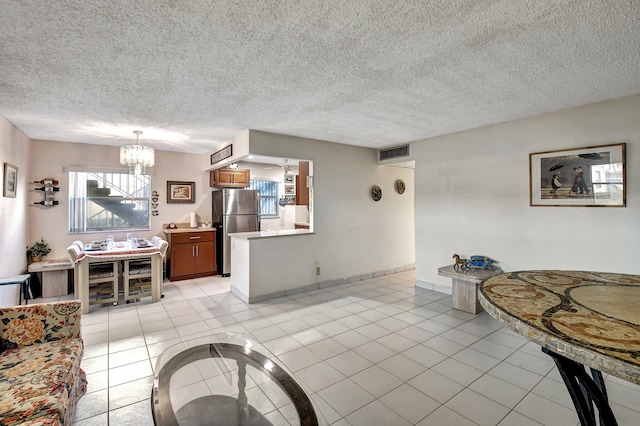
x=268 y=196
x=106 y=201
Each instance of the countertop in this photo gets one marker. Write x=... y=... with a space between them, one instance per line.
x=473 y=275
x=183 y=230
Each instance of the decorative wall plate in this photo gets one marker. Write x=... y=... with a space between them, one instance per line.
x=376 y=193
x=400 y=186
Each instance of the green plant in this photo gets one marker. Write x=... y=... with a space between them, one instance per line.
x=39 y=248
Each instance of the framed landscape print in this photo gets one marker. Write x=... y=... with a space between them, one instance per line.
x=181 y=192
x=594 y=176
x=10 y=184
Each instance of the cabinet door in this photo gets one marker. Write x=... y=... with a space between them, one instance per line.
x=205 y=259
x=182 y=258
x=302 y=192
x=241 y=178
x=223 y=177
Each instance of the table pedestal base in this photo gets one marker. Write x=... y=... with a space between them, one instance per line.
x=587 y=392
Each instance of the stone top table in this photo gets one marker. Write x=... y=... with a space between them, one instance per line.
x=580 y=319
x=464 y=286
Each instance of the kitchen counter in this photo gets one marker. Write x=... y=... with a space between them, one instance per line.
x=181 y=230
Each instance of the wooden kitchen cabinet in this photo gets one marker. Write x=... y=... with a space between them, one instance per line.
x=229 y=178
x=302 y=191
x=192 y=255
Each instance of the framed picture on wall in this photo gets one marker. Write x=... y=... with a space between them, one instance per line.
x=10 y=182
x=181 y=192
x=594 y=176
x=291 y=199
x=289 y=189
x=289 y=178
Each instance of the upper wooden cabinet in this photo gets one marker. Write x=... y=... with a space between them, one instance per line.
x=229 y=178
x=302 y=191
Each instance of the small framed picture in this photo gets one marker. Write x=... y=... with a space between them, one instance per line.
x=289 y=189
x=289 y=178
x=181 y=192
x=593 y=176
x=10 y=180
x=225 y=152
x=291 y=199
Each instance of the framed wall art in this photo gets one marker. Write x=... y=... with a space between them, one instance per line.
x=10 y=182
x=218 y=156
x=289 y=189
x=181 y=192
x=594 y=176
x=289 y=178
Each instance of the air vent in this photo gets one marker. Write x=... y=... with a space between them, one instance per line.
x=398 y=151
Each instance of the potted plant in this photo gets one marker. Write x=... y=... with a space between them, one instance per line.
x=38 y=249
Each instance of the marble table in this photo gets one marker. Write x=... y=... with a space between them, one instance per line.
x=579 y=319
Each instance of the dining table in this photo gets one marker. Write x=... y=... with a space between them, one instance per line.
x=118 y=251
x=587 y=322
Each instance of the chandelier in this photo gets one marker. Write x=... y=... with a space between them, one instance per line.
x=137 y=157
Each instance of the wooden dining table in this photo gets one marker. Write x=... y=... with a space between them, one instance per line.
x=580 y=319
x=117 y=252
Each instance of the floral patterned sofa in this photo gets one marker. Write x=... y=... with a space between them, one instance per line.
x=40 y=375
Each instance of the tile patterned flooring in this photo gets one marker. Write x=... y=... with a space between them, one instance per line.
x=374 y=352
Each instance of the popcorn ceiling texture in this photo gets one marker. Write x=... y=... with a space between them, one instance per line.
x=373 y=73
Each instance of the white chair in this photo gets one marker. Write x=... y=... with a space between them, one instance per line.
x=79 y=244
x=103 y=278
x=136 y=273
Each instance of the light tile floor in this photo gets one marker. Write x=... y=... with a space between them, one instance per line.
x=374 y=352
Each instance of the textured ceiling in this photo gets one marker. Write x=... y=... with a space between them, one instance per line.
x=193 y=74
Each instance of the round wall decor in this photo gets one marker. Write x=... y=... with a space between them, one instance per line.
x=376 y=193
x=400 y=187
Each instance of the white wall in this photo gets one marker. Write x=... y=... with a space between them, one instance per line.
x=472 y=196
x=48 y=159
x=353 y=235
x=15 y=148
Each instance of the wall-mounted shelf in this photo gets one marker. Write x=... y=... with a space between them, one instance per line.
x=48 y=187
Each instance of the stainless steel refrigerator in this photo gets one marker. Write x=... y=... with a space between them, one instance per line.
x=234 y=210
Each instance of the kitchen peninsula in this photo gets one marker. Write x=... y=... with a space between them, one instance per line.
x=253 y=255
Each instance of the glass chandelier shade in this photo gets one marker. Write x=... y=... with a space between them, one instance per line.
x=137 y=157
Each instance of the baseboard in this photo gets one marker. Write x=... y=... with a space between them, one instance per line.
x=321 y=284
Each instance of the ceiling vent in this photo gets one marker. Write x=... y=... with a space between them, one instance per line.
x=396 y=152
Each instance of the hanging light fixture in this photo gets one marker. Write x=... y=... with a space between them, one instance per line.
x=137 y=157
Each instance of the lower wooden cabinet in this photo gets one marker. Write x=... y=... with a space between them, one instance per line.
x=192 y=255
